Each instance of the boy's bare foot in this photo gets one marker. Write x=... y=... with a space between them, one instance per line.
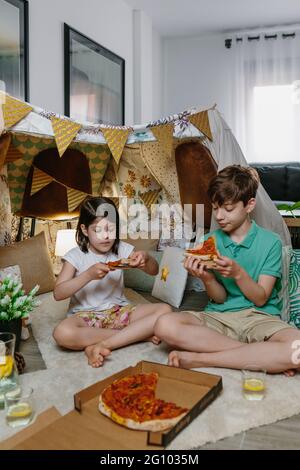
x=187 y=360
x=96 y=354
x=154 y=339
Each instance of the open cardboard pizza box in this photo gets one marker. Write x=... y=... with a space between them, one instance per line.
x=86 y=428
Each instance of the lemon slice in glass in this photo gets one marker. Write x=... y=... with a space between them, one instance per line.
x=21 y=410
x=6 y=366
x=254 y=385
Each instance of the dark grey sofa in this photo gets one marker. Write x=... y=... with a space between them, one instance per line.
x=280 y=180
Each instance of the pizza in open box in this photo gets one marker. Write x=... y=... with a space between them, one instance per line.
x=131 y=402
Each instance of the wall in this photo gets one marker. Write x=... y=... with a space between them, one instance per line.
x=157 y=75
x=147 y=64
x=110 y=23
x=195 y=73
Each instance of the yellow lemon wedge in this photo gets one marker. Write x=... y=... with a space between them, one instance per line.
x=21 y=410
x=254 y=385
x=6 y=367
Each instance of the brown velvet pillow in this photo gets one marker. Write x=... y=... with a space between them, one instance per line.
x=143 y=244
x=33 y=258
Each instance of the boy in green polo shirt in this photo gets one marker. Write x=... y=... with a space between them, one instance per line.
x=241 y=323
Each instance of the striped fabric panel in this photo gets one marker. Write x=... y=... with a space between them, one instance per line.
x=74 y=198
x=149 y=198
x=39 y=181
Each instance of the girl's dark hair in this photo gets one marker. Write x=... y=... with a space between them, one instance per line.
x=90 y=210
x=233 y=184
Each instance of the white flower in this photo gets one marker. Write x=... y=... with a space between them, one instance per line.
x=34 y=291
x=17 y=289
x=20 y=301
x=5 y=301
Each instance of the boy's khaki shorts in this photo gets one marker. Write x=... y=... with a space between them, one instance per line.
x=247 y=326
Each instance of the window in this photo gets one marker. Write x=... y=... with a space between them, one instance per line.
x=276 y=123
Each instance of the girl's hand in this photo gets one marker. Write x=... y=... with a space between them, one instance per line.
x=196 y=268
x=97 y=271
x=227 y=267
x=138 y=259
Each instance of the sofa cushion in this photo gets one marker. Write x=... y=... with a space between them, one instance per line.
x=139 y=280
x=33 y=258
x=273 y=179
x=294 y=288
x=293 y=183
x=170 y=282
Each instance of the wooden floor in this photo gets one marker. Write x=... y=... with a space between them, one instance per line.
x=284 y=434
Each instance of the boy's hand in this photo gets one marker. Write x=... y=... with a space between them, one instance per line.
x=227 y=267
x=138 y=259
x=97 y=271
x=196 y=268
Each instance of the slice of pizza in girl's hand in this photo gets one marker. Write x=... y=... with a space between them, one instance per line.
x=207 y=252
x=123 y=263
x=131 y=402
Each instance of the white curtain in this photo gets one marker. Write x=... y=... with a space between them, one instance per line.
x=265 y=95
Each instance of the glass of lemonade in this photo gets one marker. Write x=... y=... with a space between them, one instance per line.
x=253 y=382
x=9 y=380
x=20 y=408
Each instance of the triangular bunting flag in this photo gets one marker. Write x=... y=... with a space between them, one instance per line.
x=116 y=140
x=74 y=198
x=39 y=180
x=13 y=110
x=164 y=134
x=149 y=198
x=64 y=131
x=201 y=121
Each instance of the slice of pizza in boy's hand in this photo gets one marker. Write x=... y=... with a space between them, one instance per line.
x=207 y=252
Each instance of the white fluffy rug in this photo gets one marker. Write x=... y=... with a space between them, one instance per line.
x=68 y=372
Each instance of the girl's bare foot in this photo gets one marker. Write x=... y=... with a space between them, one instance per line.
x=291 y=372
x=96 y=354
x=187 y=360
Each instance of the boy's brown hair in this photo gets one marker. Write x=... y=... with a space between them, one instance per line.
x=233 y=184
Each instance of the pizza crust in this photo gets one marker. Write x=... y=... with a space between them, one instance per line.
x=207 y=260
x=155 y=425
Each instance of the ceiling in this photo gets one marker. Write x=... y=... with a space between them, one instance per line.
x=196 y=17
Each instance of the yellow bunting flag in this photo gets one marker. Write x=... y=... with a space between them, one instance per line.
x=116 y=140
x=164 y=134
x=13 y=110
x=64 y=132
x=149 y=198
x=201 y=121
x=39 y=180
x=74 y=198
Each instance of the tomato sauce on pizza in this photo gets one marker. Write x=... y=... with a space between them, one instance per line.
x=131 y=402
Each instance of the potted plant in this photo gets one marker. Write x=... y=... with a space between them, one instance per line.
x=15 y=305
x=289 y=207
